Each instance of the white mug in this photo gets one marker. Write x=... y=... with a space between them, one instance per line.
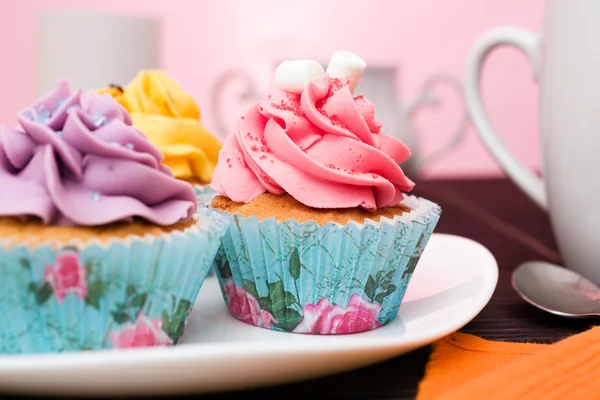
x=378 y=84
x=566 y=63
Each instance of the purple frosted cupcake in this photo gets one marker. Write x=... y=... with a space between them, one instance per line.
x=101 y=246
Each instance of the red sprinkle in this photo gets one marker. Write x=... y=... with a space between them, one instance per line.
x=321 y=103
x=336 y=121
x=264 y=146
x=374 y=176
x=243 y=117
x=269 y=97
x=333 y=119
x=254 y=148
x=263 y=157
x=337 y=84
x=272 y=162
x=361 y=97
x=292 y=104
x=229 y=160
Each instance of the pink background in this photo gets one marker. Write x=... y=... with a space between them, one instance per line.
x=202 y=38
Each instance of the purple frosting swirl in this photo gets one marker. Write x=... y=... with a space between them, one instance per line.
x=75 y=159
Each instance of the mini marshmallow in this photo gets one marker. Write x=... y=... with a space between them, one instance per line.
x=290 y=76
x=346 y=66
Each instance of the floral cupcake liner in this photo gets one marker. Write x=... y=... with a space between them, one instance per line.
x=331 y=279
x=204 y=194
x=135 y=292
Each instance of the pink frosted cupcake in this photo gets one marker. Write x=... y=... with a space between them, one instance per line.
x=324 y=238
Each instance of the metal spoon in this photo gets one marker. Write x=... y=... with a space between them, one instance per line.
x=557 y=290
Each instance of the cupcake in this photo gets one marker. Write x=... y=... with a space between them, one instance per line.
x=324 y=238
x=170 y=118
x=100 y=246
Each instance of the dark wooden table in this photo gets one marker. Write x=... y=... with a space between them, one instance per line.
x=496 y=214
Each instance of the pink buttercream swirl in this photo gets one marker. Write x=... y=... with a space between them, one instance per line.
x=323 y=147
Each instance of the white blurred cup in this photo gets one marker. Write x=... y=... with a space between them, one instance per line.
x=92 y=49
x=566 y=62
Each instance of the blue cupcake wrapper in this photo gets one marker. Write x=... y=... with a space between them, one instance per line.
x=204 y=194
x=124 y=293
x=331 y=279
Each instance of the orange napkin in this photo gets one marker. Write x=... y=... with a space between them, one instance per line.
x=466 y=367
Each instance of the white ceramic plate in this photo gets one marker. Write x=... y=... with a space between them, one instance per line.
x=452 y=283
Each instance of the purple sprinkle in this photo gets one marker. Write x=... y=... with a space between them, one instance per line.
x=43 y=116
x=73 y=107
x=100 y=120
x=59 y=103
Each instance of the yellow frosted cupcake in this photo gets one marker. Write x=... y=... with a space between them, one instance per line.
x=170 y=118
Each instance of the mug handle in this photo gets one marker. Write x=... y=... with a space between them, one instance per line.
x=428 y=99
x=528 y=43
x=223 y=80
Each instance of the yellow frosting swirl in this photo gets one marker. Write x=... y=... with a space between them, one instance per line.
x=170 y=118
